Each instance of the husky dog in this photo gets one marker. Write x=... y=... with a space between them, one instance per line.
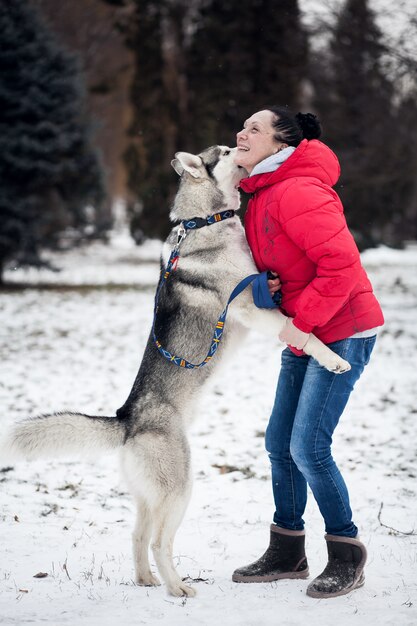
x=150 y=428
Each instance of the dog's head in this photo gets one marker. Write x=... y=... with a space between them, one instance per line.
x=215 y=163
x=211 y=177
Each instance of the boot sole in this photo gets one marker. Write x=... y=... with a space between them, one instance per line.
x=239 y=578
x=322 y=594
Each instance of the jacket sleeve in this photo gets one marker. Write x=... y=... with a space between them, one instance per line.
x=311 y=215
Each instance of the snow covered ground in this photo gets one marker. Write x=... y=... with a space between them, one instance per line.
x=74 y=340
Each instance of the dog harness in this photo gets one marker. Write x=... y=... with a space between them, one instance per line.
x=261 y=295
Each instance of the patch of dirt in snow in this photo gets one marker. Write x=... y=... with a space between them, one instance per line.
x=79 y=349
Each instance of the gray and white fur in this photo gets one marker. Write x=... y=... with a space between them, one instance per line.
x=150 y=429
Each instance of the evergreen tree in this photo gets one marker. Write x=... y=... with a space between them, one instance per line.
x=355 y=100
x=49 y=171
x=155 y=35
x=198 y=74
x=401 y=219
x=244 y=55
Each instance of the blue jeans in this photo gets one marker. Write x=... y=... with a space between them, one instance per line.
x=308 y=404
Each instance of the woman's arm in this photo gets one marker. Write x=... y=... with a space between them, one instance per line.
x=311 y=214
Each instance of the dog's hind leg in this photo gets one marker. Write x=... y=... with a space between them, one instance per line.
x=157 y=470
x=141 y=538
x=167 y=518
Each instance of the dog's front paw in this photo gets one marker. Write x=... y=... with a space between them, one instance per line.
x=340 y=366
x=325 y=356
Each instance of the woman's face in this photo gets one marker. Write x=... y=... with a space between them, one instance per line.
x=256 y=140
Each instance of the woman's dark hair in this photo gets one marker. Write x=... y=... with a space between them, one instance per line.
x=292 y=129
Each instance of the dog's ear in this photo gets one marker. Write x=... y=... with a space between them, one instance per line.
x=177 y=166
x=186 y=162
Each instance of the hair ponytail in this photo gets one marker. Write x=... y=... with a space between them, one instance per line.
x=309 y=124
x=292 y=129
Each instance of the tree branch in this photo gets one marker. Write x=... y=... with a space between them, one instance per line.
x=394 y=530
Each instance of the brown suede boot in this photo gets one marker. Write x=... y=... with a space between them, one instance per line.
x=284 y=558
x=344 y=570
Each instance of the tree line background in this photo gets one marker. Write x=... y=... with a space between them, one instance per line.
x=96 y=96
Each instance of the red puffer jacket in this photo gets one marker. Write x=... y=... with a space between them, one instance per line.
x=295 y=226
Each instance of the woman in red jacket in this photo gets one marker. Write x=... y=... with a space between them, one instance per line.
x=296 y=228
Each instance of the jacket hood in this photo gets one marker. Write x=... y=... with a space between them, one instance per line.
x=311 y=158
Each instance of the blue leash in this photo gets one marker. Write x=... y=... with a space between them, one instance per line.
x=260 y=292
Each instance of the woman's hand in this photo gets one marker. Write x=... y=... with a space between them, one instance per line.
x=274 y=284
x=292 y=336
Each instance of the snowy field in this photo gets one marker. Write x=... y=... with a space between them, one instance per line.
x=74 y=340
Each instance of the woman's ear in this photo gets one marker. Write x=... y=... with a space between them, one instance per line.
x=281 y=147
x=186 y=162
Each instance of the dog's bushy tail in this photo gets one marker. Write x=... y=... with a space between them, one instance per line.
x=61 y=434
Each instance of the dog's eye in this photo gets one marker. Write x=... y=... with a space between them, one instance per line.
x=226 y=152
